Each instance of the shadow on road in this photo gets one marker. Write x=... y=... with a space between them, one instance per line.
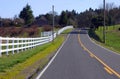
x=93 y=35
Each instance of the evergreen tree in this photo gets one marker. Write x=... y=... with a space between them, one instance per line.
x=49 y=17
x=97 y=21
x=63 y=18
x=27 y=15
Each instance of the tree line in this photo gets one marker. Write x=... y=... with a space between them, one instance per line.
x=90 y=18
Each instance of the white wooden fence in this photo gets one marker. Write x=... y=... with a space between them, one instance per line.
x=47 y=33
x=13 y=45
x=65 y=28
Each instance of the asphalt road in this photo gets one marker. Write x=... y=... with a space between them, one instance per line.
x=73 y=62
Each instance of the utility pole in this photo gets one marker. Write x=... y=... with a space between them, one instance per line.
x=53 y=23
x=104 y=32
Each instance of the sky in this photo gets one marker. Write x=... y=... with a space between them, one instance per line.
x=10 y=8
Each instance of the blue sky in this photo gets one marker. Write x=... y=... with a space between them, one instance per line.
x=10 y=8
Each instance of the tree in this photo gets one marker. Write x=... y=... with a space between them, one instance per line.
x=84 y=19
x=0 y=22
x=27 y=14
x=18 y=22
x=49 y=18
x=72 y=18
x=7 y=22
x=97 y=21
x=63 y=18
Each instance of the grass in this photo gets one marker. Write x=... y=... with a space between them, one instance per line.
x=67 y=31
x=18 y=62
x=8 y=61
x=112 y=37
x=23 y=65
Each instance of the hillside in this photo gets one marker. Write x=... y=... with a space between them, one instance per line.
x=112 y=37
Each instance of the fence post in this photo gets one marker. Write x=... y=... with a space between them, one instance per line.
x=35 y=43
x=26 y=44
x=22 y=43
x=7 y=46
x=49 y=38
x=18 y=45
x=0 y=46
x=13 y=45
x=32 y=42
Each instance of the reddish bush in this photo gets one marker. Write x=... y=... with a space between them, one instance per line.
x=46 y=28
x=19 y=31
x=2 y=31
x=7 y=22
x=15 y=32
x=32 y=31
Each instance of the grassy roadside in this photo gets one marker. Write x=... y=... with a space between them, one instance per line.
x=25 y=64
x=67 y=31
x=112 y=37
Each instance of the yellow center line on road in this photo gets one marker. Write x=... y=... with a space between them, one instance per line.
x=108 y=70
x=92 y=55
x=106 y=67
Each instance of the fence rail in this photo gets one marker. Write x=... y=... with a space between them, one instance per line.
x=13 y=45
x=65 y=28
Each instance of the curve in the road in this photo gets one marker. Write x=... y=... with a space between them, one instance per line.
x=106 y=67
x=74 y=61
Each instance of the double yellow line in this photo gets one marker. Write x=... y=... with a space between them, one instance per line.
x=106 y=67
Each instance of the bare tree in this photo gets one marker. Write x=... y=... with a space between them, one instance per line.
x=108 y=7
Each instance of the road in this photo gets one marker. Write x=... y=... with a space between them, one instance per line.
x=74 y=60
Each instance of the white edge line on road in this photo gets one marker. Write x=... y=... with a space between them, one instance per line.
x=102 y=46
x=42 y=72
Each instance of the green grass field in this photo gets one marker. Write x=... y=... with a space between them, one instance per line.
x=112 y=37
x=67 y=31
x=24 y=64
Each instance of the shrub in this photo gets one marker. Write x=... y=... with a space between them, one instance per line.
x=7 y=22
x=32 y=31
x=18 y=22
x=46 y=28
x=57 y=26
x=119 y=29
x=14 y=32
